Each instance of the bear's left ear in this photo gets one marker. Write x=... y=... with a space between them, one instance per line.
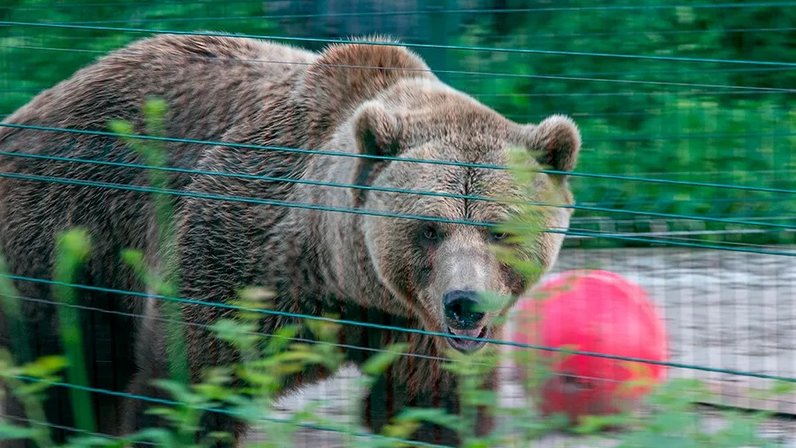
x=557 y=141
x=377 y=132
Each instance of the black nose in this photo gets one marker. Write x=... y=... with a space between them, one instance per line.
x=461 y=309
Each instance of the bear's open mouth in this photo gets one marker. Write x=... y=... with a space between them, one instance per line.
x=468 y=345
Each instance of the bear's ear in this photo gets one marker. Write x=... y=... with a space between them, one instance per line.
x=557 y=141
x=377 y=131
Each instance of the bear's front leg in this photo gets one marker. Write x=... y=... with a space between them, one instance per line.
x=422 y=384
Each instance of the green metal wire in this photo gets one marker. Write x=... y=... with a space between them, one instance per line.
x=394 y=190
x=618 y=7
x=210 y=327
x=480 y=73
x=491 y=74
x=693 y=136
x=408 y=45
x=167 y=402
x=348 y=322
x=393 y=159
x=72 y=429
x=457 y=11
x=501 y=74
x=629 y=93
x=367 y=212
x=258 y=147
x=420 y=12
x=679 y=238
x=562 y=94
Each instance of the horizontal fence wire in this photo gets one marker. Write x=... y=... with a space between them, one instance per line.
x=71 y=429
x=482 y=73
x=339 y=153
x=527 y=51
x=256 y=177
x=631 y=93
x=508 y=369
x=682 y=239
x=218 y=410
x=645 y=7
x=394 y=215
x=667 y=236
x=348 y=322
x=547 y=76
x=554 y=76
x=209 y=328
x=367 y=212
x=391 y=13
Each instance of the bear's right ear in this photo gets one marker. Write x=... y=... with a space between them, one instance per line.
x=377 y=133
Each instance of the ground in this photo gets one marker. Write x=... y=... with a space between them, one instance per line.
x=728 y=310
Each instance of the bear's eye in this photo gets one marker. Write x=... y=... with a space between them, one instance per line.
x=431 y=233
x=498 y=236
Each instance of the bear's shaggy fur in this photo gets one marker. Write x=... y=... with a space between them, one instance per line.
x=355 y=98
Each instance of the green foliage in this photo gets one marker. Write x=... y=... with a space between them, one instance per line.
x=165 y=281
x=635 y=122
x=73 y=248
x=674 y=422
x=684 y=121
x=51 y=55
x=11 y=309
x=671 y=420
x=13 y=378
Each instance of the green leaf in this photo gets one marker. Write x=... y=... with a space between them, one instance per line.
x=45 y=366
x=13 y=432
x=431 y=415
x=121 y=127
x=377 y=364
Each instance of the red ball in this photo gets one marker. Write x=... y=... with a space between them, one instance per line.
x=598 y=312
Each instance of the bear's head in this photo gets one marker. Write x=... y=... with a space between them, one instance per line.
x=446 y=146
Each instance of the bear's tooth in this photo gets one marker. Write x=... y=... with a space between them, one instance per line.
x=472 y=333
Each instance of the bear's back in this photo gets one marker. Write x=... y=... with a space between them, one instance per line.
x=211 y=84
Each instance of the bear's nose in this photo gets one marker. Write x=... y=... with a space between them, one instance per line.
x=461 y=309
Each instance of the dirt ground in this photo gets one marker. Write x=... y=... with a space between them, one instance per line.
x=726 y=310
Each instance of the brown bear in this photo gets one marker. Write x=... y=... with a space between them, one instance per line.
x=263 y=99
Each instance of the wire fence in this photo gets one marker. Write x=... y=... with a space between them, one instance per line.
x=688 y=131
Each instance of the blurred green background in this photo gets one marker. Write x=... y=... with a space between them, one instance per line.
x=688 y=121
